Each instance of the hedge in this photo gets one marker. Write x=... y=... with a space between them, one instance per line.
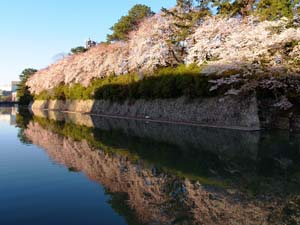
x=164 y=83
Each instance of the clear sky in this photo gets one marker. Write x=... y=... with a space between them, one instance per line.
x=32 y=32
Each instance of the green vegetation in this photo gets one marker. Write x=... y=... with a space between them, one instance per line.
x=23 y=93
x=128 y=23
x=165 y=83
x=274 y=9
x=22 y=120
x=233 y=8
x=266 y=9
x=78 y=49
x=188 y=13
x=185 y=16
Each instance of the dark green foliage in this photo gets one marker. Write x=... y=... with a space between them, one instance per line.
x=44 y=95
x=227 y=7
x=152 y=87
x=23 y=92
x=59 y=92
x=24 y=95
x=165 y=83
x=233 y=8
x=26 y=73
x=265 y=9
x=274 y=9
x=78 y=49
x=185 y=16
x=129 y=22
x=77 y=91
x=22 y=120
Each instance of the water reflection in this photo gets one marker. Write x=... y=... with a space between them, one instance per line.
x=8 y=114
x=169 y=174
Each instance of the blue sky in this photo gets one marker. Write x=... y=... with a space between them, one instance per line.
x=32 y=32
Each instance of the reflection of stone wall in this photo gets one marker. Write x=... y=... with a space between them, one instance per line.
x=228 y=111
x=156 y=197
x=218 y=141
x=194 y=150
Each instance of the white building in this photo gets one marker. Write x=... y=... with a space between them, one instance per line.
x=14 y=88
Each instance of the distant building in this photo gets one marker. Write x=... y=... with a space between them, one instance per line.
x=14 y=88
x=6 y=93
x=89 y=44
x=10 y=95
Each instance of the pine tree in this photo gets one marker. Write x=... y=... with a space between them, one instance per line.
x=233 y=8
x=128 y=23
x=275 y=9
x=185 y=16
x=23 y=92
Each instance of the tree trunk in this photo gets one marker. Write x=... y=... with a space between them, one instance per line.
x=247 y=7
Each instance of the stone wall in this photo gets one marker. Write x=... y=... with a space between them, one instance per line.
x=224 y=112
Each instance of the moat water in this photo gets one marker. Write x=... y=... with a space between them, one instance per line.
x=58 y=168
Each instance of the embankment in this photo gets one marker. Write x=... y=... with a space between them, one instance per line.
x=224 y=112
x=224 y=57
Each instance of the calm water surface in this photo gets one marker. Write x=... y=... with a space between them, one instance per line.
x=76 y=169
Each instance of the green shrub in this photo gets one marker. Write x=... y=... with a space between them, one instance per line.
x=275 y=9
x=165 y=83
x=76 y=91
x=79 y=49
x=44 y=95
x=202 y=86
x=59 y=92
x=146 y=88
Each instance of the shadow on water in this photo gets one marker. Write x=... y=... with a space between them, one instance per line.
x=165 y=173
